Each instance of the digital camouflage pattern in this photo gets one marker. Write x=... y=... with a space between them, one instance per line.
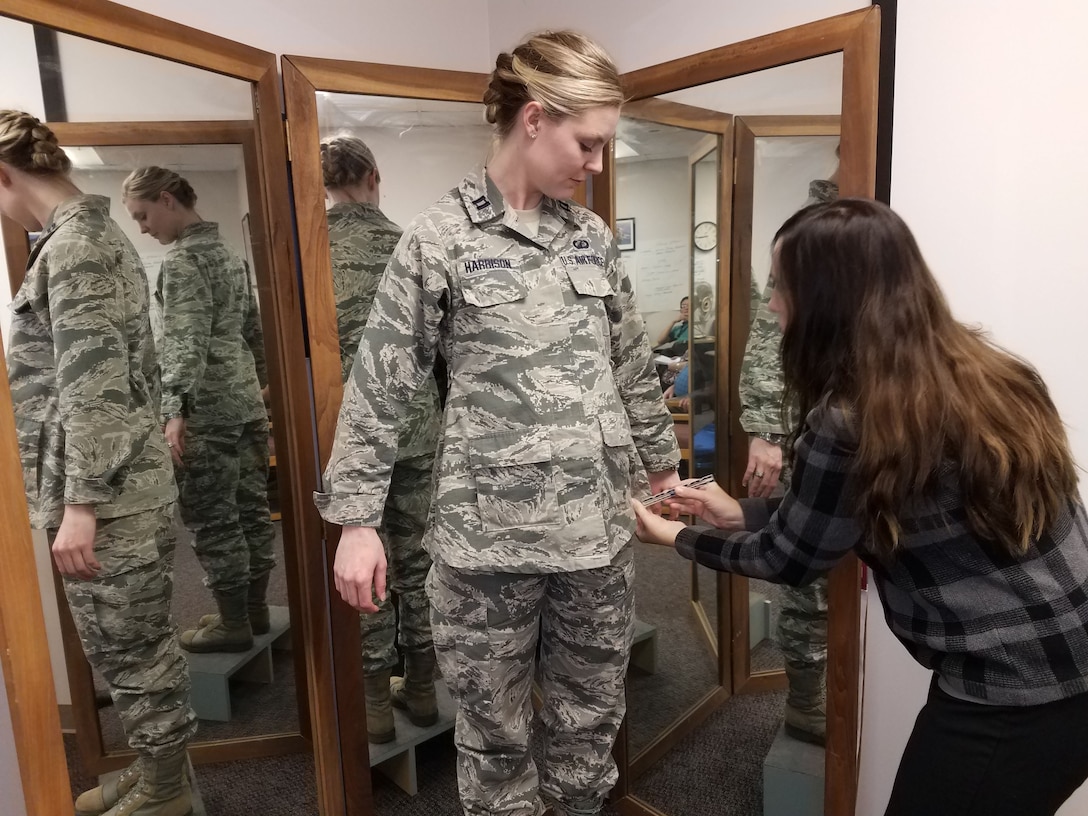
x=213 y=364
x=84 y=379
x=223 y=496
x=123 y=621
x=361 y=240
x=213 y=367
x=802 y=621
x=485 y=633
x=553 y=397
x=84 y=384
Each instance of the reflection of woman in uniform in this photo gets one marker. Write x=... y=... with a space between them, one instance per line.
x=553 y=412
x=97 y=469
x=216 y=422
x=361 y=239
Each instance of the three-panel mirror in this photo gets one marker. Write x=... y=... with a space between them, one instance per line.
x=711 y=155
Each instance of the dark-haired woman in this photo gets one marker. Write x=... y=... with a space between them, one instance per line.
x=941 y=460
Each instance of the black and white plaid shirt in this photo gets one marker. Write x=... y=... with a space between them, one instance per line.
x=1007 y=630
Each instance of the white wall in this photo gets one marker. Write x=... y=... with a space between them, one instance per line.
x=988 y=169
x=450 y=34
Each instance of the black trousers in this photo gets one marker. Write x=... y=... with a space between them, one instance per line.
x=971 y=759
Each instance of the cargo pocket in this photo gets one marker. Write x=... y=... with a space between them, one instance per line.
x=514 y=484
x=31 y=456
x=618 y=457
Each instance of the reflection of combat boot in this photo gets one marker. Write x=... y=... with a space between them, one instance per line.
x=163 y=790
x=806 y=704
x=256 y=606
x=379 y=711
x=230 y=630
x=100 y=799
x=414 y=692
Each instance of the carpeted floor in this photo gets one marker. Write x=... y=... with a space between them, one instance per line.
x=716 y=769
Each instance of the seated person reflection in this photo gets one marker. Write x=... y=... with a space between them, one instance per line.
x=677 y=332
x=941 y=461
x=361 y=239
x=216 y=422
x=84 y=387
x=802 y=619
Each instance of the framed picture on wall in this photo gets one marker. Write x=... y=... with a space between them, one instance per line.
x=625 y=233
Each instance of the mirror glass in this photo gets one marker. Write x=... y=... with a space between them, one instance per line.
x=661 y=194
x=421 y=149
x=733 y=743
x=247 y=699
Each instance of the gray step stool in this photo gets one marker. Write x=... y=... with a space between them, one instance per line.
x=397 y=759
x=212 y=672
x=644 y=648
x=793 y=777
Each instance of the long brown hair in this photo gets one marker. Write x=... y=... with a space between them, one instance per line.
x=868 y=328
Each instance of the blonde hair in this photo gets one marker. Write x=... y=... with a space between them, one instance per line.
x=28 y=145
x=148 y=183
x=345 y=161
x=566 y=72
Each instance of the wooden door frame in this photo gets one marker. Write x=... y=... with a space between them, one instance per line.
x=857 y=36
x=22 y=632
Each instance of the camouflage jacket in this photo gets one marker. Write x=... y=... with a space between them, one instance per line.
x=554 y=407
x=761 y=384
x=84 y=380
x=212 y=352
x=361 y=240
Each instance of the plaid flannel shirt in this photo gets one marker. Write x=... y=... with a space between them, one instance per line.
x=1008 y=630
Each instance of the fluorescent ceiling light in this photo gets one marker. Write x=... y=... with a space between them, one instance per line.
x=624 y=150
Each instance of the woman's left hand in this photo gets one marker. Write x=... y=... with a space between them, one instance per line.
x=652 y=528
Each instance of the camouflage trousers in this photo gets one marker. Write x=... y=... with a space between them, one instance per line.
x=802 y=627
x=123 y=620
x=487 y=628
x=223 y=495
x=403 y=524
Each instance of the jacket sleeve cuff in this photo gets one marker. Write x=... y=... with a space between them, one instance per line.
x=354 y=509
x=87 y=491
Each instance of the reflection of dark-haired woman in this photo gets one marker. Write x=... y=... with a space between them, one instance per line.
x=96 y=466
x=212 y=357
x=941 y=460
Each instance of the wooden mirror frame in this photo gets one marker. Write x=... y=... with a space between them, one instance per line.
x=303 y=77
x=718 y=126
x=27 y=671
x=93 y=753
x=857 y=36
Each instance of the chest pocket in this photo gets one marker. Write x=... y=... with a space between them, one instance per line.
x=588 y=279
x=492 y=287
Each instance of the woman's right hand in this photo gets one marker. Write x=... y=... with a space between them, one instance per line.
x=359 y=568
x=712 y=504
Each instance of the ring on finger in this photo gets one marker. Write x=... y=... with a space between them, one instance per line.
x=759 y=475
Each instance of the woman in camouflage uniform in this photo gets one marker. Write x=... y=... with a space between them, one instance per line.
x=554 y=414
x=361 y=239
x=212 y=357
x=84 y=386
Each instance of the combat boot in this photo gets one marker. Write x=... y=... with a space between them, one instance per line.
x=99 y=800
x=231 y=632
x=256 y=607
x=379 y=709
x=414 y=692
x=162 y=790
x=806 y=704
